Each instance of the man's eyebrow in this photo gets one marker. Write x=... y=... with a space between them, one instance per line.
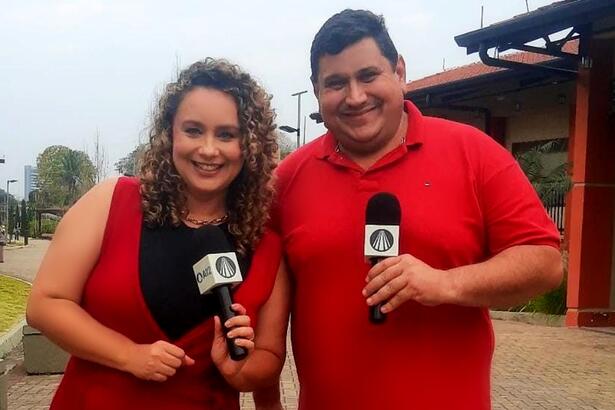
x=368 y=69
x=333 y=77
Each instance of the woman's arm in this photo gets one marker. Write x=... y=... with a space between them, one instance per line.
x=54 y=303
x=263 y=365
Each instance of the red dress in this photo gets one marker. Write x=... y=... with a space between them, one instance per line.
x=112 y=295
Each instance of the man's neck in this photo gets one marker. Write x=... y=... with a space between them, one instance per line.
x=366 y=160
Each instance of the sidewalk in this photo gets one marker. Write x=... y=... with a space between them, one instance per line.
x=534 y=367
x=23 y=263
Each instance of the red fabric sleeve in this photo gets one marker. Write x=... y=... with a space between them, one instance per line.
x=513 y=212
x=255 y=290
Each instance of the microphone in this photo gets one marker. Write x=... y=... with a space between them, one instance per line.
x=382 y=218
x=215 y=273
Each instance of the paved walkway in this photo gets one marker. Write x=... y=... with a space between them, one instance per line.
x=23 y=263
x=534 y=367
x=538 y=367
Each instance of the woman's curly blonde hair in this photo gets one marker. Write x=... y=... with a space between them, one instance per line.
x=249 y=196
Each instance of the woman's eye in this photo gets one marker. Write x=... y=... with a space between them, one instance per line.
x=193 y=131
x=226 y=135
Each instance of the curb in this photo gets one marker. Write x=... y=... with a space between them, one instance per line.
x=10 y=275
x=531 y=318
x=12 y=338
x=11 y=248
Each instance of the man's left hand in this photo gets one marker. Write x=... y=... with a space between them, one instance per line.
x=401 y=278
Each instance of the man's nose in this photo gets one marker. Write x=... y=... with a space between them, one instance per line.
x=356 y=95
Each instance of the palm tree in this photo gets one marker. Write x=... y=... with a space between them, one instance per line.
x=549 y=184
x=77 y=174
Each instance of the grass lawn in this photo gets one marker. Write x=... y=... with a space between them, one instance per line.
x=13 y=296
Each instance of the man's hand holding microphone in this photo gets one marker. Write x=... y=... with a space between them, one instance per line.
x=394 y=279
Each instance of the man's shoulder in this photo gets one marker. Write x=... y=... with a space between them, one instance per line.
x=453 y=134
x=297 y=162
x=443 y=126
x=309 y=151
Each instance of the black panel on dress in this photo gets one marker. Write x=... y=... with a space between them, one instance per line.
x=168 y=285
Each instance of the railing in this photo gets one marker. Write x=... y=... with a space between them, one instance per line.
x=556 y=206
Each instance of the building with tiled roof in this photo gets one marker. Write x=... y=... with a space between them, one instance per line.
x=478 y=69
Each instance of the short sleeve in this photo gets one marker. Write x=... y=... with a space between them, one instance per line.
x=255 y=290
x=512 y=210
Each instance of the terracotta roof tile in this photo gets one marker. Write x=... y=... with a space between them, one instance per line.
x=479 y=69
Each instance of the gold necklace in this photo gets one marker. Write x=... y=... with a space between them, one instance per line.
x=339 y=149
x=201 y=222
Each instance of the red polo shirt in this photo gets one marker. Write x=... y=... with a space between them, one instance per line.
x=463 y=199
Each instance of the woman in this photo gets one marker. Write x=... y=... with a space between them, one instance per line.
x=116 y=288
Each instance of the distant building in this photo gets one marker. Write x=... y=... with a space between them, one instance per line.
x=30 y=180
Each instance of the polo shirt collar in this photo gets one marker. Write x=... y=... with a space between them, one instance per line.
x=414 y=133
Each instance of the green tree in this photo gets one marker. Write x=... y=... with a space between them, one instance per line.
x=13 y=222
x=129 y=165
x=78 y=175
x=63 y=175
x=25 y=222
x=12 y=202
x=549 y=183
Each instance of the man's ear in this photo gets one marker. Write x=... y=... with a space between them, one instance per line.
x=315 y=88
x=400 y=69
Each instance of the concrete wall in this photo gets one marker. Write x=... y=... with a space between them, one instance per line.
x=475 y=119
x=533 y=114
x=540 y=116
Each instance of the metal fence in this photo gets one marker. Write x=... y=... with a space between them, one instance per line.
x=556 y=205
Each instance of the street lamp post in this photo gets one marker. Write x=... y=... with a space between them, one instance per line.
x=290 y=129
x=9 y=181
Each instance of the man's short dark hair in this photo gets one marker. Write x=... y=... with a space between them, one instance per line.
x=347 y=28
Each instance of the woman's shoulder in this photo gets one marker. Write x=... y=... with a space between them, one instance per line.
x=103 y=191
x=126 y=182
x=100 y=196
x=121 y=186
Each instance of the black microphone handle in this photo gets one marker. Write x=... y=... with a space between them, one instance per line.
x=375 y=315
x=225 y=301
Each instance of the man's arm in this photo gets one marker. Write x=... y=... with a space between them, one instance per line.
x=509 y=278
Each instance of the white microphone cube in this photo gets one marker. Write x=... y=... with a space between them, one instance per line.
x=381 y=241
x=217 y=269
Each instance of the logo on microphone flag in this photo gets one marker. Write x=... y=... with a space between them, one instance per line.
x=226 y=267
x=381 y=240
x=216 y=269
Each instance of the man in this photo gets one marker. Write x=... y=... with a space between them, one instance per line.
x=473 y=235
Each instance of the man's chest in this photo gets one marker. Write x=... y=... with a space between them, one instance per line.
x=441 y=220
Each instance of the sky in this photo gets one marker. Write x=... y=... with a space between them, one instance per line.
x=72 y=69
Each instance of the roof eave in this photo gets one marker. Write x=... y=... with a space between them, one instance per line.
x=533 y=25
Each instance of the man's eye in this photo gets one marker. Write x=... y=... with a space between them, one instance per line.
x=336 y=85
x=368 y=77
